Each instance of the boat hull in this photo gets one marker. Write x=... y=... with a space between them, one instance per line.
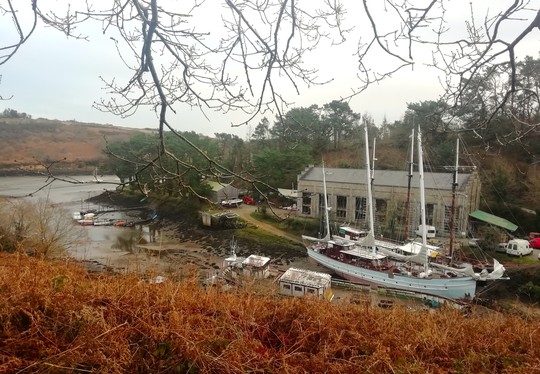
x=455 y=288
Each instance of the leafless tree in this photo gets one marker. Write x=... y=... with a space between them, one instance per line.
x=38 y=228
x=255 y=52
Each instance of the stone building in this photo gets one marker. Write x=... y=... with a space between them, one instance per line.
x=347 y=196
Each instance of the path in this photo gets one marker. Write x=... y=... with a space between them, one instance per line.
x=244 y=211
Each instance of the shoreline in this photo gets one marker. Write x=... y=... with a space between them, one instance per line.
x=186 y=242
x=180 y=246
x=168 y=255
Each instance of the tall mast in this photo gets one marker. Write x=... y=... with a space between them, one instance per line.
x=326 y=219
x=368 y=185
x=453 y=206
x=408 y=202
x=373 y=159
x=422 y=195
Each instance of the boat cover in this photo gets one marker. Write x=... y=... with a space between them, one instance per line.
x=494 y=220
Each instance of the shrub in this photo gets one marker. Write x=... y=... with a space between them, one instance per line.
x=54 y=317
x=37 y=228
x=531 y=290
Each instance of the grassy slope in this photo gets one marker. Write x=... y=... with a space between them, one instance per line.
x=24 y=142
x=54 y=317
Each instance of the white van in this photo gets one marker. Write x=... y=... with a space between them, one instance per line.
x=518 y=247
x=430 y=232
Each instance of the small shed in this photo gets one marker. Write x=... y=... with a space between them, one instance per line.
x=222 y=191
x=300 y=282
x=256 y=266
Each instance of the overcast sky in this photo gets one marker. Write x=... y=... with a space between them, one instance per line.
x=58 y=78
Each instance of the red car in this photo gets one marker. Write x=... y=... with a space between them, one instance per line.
x=248 y=200
x=535 y=243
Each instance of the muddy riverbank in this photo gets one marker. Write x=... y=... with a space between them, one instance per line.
x=182 y=244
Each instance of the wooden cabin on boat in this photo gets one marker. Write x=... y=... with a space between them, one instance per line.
x=299 y=282
x=256 y=266
x=253 y=266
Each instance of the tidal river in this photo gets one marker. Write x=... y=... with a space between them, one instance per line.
x=94 y=243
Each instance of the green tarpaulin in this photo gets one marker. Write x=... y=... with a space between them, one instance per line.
x=494 y=220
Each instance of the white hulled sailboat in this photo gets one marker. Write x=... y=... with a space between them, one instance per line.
x=363 y=261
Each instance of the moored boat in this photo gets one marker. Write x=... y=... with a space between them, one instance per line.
x=362 y=261
x=86 y=222
x=104 y=222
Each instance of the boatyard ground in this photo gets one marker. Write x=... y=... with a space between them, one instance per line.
x=185 y=246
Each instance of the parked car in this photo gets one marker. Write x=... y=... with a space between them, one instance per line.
x=533 y=235
x=535 y=243
x=518 y=247
x=248 y=200
x=501 y=247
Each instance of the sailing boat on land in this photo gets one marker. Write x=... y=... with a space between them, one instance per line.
x=403 y=251
x=369 y=237
x=436 y=255
x=366 y=263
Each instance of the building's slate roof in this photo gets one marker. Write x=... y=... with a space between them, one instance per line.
x=306 y=277
x=395 y=178
x=217 y=186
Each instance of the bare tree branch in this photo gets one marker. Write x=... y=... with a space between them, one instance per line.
x=257 y=56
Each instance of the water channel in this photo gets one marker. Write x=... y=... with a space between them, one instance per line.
x=94 y=243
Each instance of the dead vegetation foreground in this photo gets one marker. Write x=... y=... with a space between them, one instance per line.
x=55 y=317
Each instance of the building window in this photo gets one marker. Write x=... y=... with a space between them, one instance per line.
x=360 y=208
x=447 y=216
x=311 y=290
x=380 y=210
x=321 y=202
x=306 y=198
x=380 y=206
x=341 y=207
x=429 y=214
x=297 y=289
x=306 y=203
x=286 y=286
